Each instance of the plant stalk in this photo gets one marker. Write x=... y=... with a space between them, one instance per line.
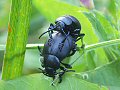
x=87 y=47
x=18 y=28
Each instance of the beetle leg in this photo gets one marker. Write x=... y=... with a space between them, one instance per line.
x=73 y=50
x=70 y=71
x=83 y=45
x=50 y=34
x=64 y=32
x=40 y=51
x=62 y=43
x=51 y=28
x=81 y=37
x=53 y=78
x=41 y=60
x=42 y=71
x=60 y=76
x=53 y=81
x=66 y=65
x=62 y=73
x=65 y=37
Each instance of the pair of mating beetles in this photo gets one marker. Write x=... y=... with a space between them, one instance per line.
x=63 y=36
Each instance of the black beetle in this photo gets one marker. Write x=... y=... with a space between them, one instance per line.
x=68 y=25
x=54 y=51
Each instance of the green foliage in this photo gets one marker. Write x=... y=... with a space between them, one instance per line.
x=37 y=82
x=107 y=75
x=104 y=31
x=97 y=66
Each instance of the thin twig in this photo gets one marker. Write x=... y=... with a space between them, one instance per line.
x=87 y=47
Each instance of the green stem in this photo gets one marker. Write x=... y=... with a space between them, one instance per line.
x=87 y=48
x=34 y=46
x=102 y=44
x=17 y=39
x=2 y=47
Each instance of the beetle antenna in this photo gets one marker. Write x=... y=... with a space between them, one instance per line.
x=51 y=28
x=45 y=33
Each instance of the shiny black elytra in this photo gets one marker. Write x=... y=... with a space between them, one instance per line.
x=54 y=52
x=68 y=25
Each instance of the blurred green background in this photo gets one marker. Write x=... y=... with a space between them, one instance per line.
x=39 y=24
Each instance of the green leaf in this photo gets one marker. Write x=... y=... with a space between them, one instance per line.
x=107 y=27
x=102 y=27
x=118 y=15
x=105 y=32
x=41 y=82
x=107 y=75
x=112 y=9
